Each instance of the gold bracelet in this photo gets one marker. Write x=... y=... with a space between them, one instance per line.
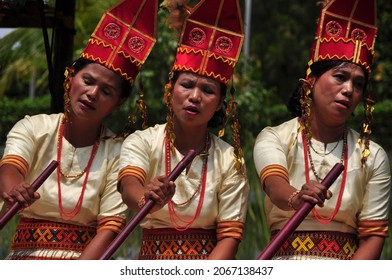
x=290 y=200
x=141 y=202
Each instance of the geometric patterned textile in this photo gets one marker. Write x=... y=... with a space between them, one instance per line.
x=170 y=244
x=32 y=234
x=317 y=245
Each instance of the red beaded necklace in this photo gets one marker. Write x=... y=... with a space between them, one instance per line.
x=68 y=215
x=319 y=218
x=174 y=216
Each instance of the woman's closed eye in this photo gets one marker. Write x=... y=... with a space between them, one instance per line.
x=187 y=84
x=107 y=91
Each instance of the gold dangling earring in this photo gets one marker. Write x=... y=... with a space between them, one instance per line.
x=69 y=73
x=140 y=107
x=232 y=109
x=364 y=139
x=305 y=101
x=169 y=116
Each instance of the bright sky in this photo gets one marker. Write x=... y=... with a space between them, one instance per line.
x=5 y=31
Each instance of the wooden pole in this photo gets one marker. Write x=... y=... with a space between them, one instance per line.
x=35 y=185
x=142 y=213
x=297 y=218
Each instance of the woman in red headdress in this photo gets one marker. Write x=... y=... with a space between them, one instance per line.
x=77 y=211
x=350 y=219
x=202 y=214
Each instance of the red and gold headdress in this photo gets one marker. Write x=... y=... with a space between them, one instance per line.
x=346 y=31
x=211 y=40
x=124 y=37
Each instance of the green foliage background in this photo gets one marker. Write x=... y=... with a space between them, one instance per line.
x=281 y=33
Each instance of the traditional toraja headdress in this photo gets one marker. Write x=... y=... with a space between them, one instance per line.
x=210 y=42
x=346 y=31
x=122 y=41
x=124 y=37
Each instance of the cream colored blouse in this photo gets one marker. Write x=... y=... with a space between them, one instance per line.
x=365 y=201
x=226 y=193
x=34 y=140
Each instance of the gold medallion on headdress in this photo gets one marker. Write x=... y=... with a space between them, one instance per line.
x=346 y=31
x=124 y=37
x=211 y=40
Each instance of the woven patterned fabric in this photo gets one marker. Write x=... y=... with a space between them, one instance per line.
x=38 y=234
x=318 y=245
x=171 y=244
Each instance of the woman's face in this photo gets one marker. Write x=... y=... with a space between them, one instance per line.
x=337 y=92
x=195 y=99
x=95 y=92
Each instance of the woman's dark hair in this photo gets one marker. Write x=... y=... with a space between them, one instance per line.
x=218 y=118
x=317 y=69
x=80 y=63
